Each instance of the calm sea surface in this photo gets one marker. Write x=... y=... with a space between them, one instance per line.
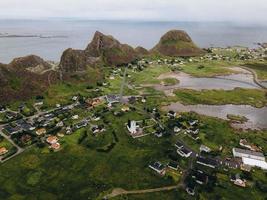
x=57 y=35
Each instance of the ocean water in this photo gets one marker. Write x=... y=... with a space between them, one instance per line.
x=58 y=35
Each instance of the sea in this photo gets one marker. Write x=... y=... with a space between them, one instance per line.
x=50 y=37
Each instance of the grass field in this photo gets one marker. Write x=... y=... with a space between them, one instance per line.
x=79 y=172
x=208 y=68
x=260 y=68
x=237 y=96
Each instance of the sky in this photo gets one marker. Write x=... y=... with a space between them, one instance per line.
x=158 y=10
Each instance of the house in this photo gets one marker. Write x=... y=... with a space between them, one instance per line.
x=12 y=130
x=2 y=109
x=68 y=130
x=143 y=100
x=190 y=189
x=11 y=115
x=244 y=143
x=25 y=138
x=254 y=163
x=246 y=168
x=238 y=181
x=179 y=144
x=60 y=124
x=232 y=163
x=200 y=177
x=3 y=151
x=93 y=102
x=125 y=109
x=52 y=140
x=242 y=153
x=158 y=134
x=74 y=98
x=25 y=126
x=176 y=129
x=158 y=167
x=184 y=152
x=132 y=100
x=208 y=162
x=95 y=117
x=193 y=130
x=112 y=99
x=173 y=165
x=39 y=103
x=193 y=122
x=204 y=148
x=55 y=146
x=132 y=127
x=40 y=131
x=193 y=136
x=74 y=117
x=81 y=124
x=171 y=114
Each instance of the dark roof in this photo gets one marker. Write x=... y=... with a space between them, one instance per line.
x=200 y=176
x=173 y=164
x=185 y=150
x=179 y=144
x=157 y=166
x=11 y=129
x=207 y=161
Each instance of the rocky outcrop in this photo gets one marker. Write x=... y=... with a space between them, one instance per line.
x=30 y=62
x=74 y=60
x=110 y=50
x=176 y=43
x=18 y=81
x=103 y=49
x=141 y=51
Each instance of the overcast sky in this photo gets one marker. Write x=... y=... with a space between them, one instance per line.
x=174 y=10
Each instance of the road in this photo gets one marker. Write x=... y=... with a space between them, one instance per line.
x=119 y=191
x=255 y=76
x=19 y=149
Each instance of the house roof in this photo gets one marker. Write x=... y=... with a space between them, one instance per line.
x=52 y=139
x=244 y=151
x=253 y=162
x=157 y=166
x=185 y=150
x=179 y=144
x=3 y=150
x=173 y=164
x=207 y=161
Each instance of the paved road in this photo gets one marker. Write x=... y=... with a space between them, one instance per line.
x=19 y=149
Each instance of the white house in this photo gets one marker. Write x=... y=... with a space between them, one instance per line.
x=240 y=153
x=132 y=127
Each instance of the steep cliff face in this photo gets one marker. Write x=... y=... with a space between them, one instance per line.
x=103 y=49
x=73 y=60
x=176 y=43
x=110 y=50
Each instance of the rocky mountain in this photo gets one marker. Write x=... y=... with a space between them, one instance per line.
x=176 y=43
x=103 y=49
x=75 y=60
x=110 y=50
x=25 y=77
x=141 y=51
